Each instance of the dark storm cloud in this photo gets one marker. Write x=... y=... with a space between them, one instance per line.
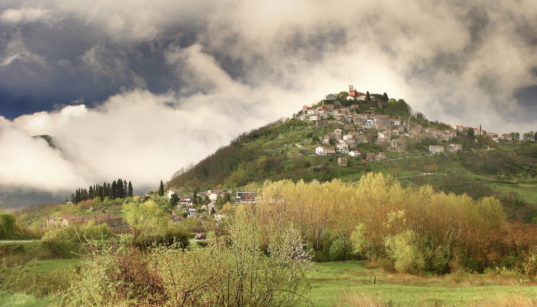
x=185 y=77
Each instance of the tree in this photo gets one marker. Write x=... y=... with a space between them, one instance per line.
x=367 y=96
x=174 y=199
x=385 y=97
x=470 y=133
x=161 y=189
x=131 y=190
x=147 y=220
x=113 y=190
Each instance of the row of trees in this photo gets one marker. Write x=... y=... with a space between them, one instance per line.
x=117 y=189
x=377 y=218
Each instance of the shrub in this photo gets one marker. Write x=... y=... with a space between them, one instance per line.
x=403 y=250
x=337 y=250
x=7 y=226
x=232 y=273
x=67 y=241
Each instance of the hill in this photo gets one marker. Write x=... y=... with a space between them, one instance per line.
x=383 y=136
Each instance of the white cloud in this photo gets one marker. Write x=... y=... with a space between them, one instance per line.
x=250 y=62
x=25 y=15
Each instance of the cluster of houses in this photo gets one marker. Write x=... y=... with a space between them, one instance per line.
x=392 y=132
x=186 y=204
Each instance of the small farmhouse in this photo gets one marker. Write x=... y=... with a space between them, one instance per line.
x=436 y=149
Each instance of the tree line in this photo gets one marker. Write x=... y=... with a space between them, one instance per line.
x=117 y=189
x=414 y=229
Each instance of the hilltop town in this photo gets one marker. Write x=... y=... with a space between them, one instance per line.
x=358 y=119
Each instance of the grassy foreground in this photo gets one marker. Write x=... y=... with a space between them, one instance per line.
x=333 y=282
x=350 y=283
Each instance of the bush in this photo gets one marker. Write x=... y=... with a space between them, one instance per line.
x=403 y=250
x=337 y=250
x=67 y=241
x=231 y=273
x=7 y=226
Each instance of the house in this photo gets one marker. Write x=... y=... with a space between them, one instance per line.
x=330 y=151
x=170 y=193
x=245 y=197
x=62 y=221
x=348 y=136
x=341 y=161
x=338 y=133
x=395 y=122
x=454 y=148
x=360 y=138
x=185 y=201
x=351 y=143
x=191 y=212
x=493 y=136
x=381 y=156
x=436 y=149
x=369 y=124
x=214 y=194
x=313 y=117
x=370 y=156
x=360 y=96
x=355 y=154
x=342 y=147
x=381 y=135
x=320 y=151
x=398 y=145
x=326 y=139
x=507 y=137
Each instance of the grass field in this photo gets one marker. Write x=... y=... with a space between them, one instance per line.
x=54 y=265
x=332 y=280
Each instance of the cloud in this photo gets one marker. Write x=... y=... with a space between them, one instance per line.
x=168 y=82
x=24 y=15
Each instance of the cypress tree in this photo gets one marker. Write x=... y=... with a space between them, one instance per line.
x=113 y=190
x=131 y=191
x=161 y=189
x=120 y=191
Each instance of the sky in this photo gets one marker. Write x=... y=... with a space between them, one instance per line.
x=141 y=89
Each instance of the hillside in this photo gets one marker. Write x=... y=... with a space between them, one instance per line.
x=386 y=138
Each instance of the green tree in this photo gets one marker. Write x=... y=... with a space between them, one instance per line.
x=174 y=199
x=131 y=190
x=147 y=220
x=470 y=133
x=385 y=97
x=161 y=189
x=367 y=96
x=7 y=226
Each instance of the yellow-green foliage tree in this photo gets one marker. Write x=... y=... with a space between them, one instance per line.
x=447 y=227
x=146 y=220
